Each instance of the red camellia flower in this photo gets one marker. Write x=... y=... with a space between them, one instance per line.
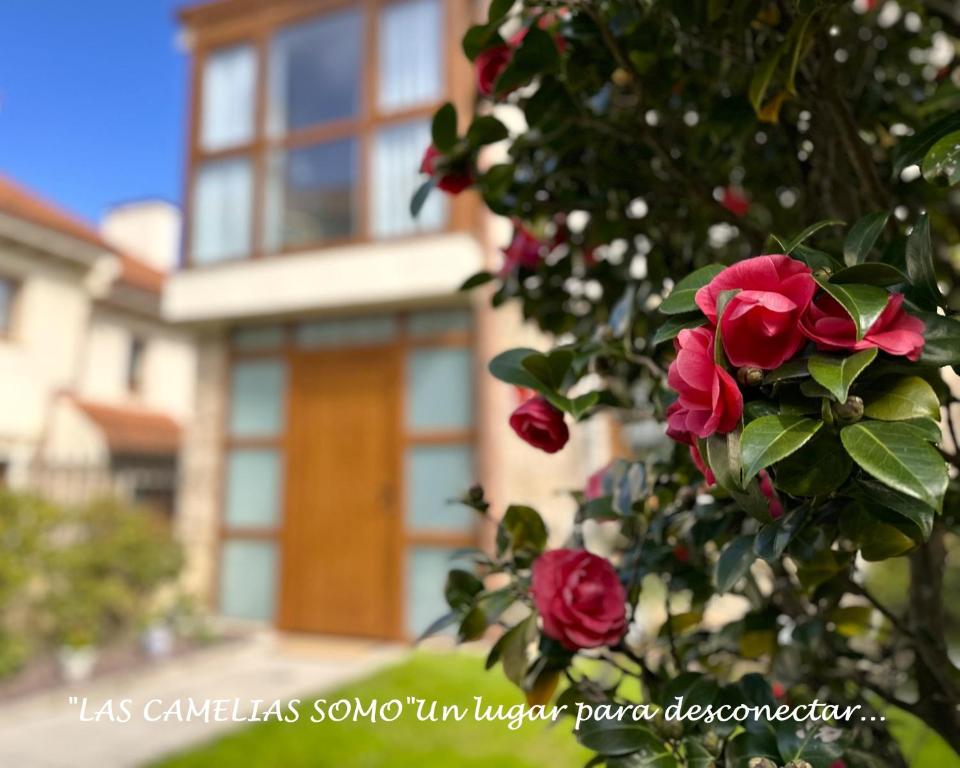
x=760 y=325
x=735 y=201
x=676 y=429
x=489 y=65
x=523 y=251
x=709 y=398
x=895 y=332
x=580 y=597
x=540 y=424
x=774 y=505
x=453 y=182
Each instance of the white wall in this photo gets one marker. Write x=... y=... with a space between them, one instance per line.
x=149 y=229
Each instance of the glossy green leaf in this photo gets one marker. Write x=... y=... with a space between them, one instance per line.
x=920 y=265
x=927 y=428
x=837 y=373
x=876 y=494
x=762 y=77
x=499 y=9
x=863 y=303
x=461 y=588
x=682 y=297
x=862 y=237
x=870 y=273
x=913 y=149
x=522 y=531
x=814 y=258
x=616 y=738
x=941 y=339
x=444 y=128
x=790 y=370
x=772 y=540
x=420 y=197
x=909 y=397
x=790 y=245
x=734 y=562
x=896 y=456
x=941 y=165
x=817 y=469
x=508 y=367
x=476 y=280
x=551 y=368
x=673 y=325
x=484 y=130
x=770 y=439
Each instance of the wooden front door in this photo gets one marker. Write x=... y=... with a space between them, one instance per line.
x=340 y=569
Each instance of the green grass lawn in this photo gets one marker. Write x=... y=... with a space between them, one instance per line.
x=406 y=743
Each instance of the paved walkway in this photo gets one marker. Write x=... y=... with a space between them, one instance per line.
x=45 y=731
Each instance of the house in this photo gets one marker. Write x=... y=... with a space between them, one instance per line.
x=95 y=385
x=342 y=396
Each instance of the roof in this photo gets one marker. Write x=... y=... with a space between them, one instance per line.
x=21 y=203
x=129 y=429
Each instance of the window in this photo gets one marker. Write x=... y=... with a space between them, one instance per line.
x=315 y=72
x=8 y=295
x=222 y=199
x=135 y=364
x=336 y=152
x=229 y=80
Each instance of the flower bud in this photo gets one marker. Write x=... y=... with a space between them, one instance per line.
x=798 y=764
x=761 y=762
x=822 y=273
x=711 y=742
x=750 y=377
x=851 y=411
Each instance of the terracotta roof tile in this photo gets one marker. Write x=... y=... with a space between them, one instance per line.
x=134 y=430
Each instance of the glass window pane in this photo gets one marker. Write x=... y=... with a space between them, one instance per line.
x=411 y=46
x=315 y=72
x=253 y=489
x=439 y=322
x=256 y=398
x=259 y=337
x=312 y=194
x=226 y=115
x=8 y=290
x=427 y=570
x=222 y=199
x=397 y=152
x=347 y=332
x=436 y=474
x=439 y=392
x=248 y=579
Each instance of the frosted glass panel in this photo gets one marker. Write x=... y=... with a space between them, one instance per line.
x=410 y=52
x=439 y=392
x=259 y=337
x=256 y=399
x=229 y=76
x=315 y=72
x=427 y=571
x=439 y=322
x=397 y=153
x=436 y=474
x=253 y=489
x=347 y=332
x=222 y=197
x=248 y=579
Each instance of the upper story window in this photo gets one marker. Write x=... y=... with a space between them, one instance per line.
x=8 y=295
x=135 y=364
x=344 y=120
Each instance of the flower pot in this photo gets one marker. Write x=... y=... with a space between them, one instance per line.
x=77 y=662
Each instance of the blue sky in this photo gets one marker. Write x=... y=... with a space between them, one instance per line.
x=92 y=100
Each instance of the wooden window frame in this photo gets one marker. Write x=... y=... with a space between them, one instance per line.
x=257 y=24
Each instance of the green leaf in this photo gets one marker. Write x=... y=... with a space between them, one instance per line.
x=444 y=128
x=928 y=429
x=770 y=439
x=673 y=325
x=614 y=738
x=862 y=237
x=816 y=259
x=480 y=37
x=480 y=278
x=473 y=625
x=420 y=197
x=817 y=469
x=734 y=562
x=497 y=180
x=837 y=374
x=499 y=9
x=511 y=649
x=762 y=76
x=790 y=245
x=870 y=273
x=874 y=494
x=943 y=160
x=896 y=456
x=913 y=149
x=863 y=303
x=522 y=531
x=905 y=398
x=773 y=538
x=508 y=367
x=534 y=56
x=484 y=130
x=920 y=265
x=461 y=588
x=790 y=370
x=550 y=369
x=681 y=298
x=941 y=339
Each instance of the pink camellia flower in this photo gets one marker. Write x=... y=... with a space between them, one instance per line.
x=450 y=181
x=524 y=251
x=735 y=201
x=710 y=400
x=774 y=506
x=895 y=332
x=760 y=325
x=540 y=424
x=676 y=429
x=580 y=597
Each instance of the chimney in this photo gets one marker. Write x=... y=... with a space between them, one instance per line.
x=146 y=229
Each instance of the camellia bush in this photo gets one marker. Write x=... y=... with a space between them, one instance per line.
x=739 y=219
